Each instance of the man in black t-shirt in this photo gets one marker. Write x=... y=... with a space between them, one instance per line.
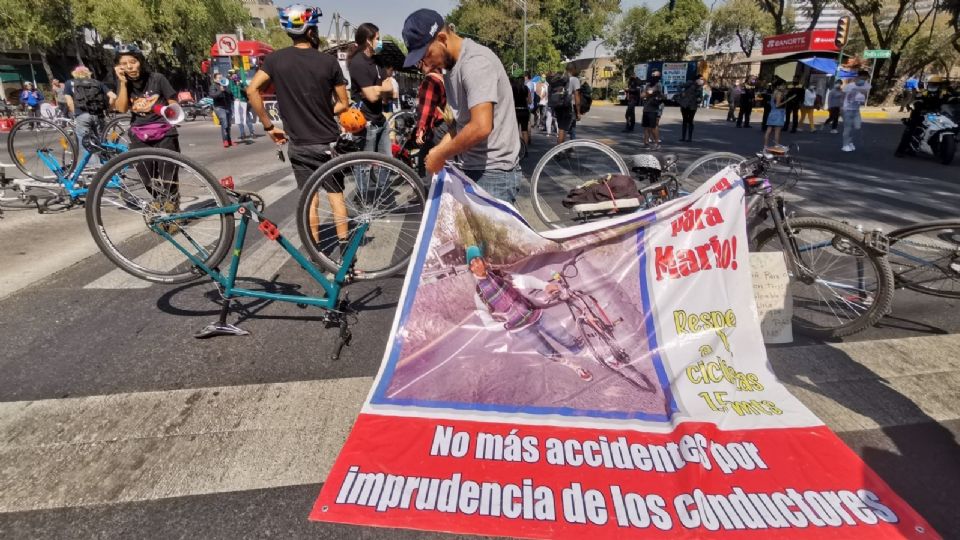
x=307 y=83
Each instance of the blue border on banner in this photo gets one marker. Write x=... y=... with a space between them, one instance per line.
x=379 y=395
x=649 y=326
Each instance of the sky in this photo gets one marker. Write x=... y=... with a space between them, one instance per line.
x=389 y=15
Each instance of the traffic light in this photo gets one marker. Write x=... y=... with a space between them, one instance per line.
x=843 y=32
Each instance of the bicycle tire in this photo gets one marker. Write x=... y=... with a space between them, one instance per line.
x=693 y=177
x=126 y=250
x=542 y=192
x=377 y=257
x=20 y=158
x=947 y=249
x=117 y=130
x=847 y=241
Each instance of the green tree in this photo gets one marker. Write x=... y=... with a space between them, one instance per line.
x=175 y=34
x=575 y=23
x=782 y=13
x=891 y=24
x=472 y=19
x=742 y=22
x=643 y=35
x=38 y=29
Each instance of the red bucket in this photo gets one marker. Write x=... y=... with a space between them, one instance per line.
x=6 y=124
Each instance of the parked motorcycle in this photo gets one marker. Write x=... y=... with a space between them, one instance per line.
x=199 y=109
x=937 y=135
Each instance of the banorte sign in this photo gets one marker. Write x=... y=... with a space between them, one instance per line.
x=815 y=40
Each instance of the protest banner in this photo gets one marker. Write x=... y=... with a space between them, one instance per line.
x=607 y=380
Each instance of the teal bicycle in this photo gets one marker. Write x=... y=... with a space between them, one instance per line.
x=171 y=221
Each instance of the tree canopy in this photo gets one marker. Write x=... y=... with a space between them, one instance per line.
x=643 y=35
x=742 y=22
x=558 y=29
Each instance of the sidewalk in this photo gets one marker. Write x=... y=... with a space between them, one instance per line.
x=866 y=112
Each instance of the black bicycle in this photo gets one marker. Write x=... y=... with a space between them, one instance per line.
x=840 y=278
x=595 y=326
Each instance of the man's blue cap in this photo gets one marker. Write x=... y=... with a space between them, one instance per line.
x=418 y=31
x=473 y=252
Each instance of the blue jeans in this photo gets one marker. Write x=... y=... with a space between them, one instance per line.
x=851 y=124
x=84 y=123
x=225 y=117
x=503 y=185
x=547 y=327
x=377 y=139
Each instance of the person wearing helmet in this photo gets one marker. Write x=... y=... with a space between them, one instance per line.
x=139 y=90
x=928 y=100
x=311 y=93
x=307 y=85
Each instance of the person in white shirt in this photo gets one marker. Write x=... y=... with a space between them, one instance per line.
x=809 y=104
x=854 y=98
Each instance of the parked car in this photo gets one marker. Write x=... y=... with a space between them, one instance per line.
x=622 y=97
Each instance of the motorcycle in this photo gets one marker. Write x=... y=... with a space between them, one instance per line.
x=193 y=110
x=937 y=135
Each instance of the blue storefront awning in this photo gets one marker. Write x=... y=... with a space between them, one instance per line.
x=827 y=65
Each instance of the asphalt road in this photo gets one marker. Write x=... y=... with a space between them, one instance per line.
x=115 y=423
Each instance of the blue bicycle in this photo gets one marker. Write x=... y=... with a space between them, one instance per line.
x=47 y=154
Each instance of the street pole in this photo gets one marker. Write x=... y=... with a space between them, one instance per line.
x=524 y=37
x=522 y=4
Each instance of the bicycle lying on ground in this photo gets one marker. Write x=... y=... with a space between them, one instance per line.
x=570 y=165
x=595 y=327
x=171 y=221
x=926 y=257
x=840 y=279
x=45 y=153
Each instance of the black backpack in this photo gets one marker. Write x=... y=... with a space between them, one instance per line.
x=586 y=98
x=558 y=97
x=606 y=188
x=88 y=97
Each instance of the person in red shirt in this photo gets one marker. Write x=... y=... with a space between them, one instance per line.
x=431 y=102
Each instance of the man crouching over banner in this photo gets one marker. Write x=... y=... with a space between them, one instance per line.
x=499 y=301
x=487 y=137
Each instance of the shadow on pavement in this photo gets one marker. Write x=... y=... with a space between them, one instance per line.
x=916 y=455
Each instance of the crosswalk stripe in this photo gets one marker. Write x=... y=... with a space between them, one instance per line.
x=118 y=279
x=268 y=257
x=143 y=446
x=151 y=445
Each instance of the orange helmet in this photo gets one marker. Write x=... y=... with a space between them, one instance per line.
x=353 y=121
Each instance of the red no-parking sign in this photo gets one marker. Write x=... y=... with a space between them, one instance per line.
x=228 y=44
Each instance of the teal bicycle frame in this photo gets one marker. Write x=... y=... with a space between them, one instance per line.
x=247 y=211
x=246 y=208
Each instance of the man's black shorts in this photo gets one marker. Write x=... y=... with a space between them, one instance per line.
x=650 y=119
x=523 y=119
x=307 y=158
x=564 y=118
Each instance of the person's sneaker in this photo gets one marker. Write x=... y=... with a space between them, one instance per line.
x=834 y=131
x=847 y=148
x=226 y=144
x=584 y=374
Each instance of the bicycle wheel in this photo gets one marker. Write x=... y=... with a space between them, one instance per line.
x=565 y=167
x=117 y=131
x=133 y=188
x=33 y=140
x=849 y=287
x=705 y=168
x=361 y=188
x=926 y=257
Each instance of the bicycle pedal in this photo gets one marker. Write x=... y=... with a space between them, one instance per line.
x=220 y=329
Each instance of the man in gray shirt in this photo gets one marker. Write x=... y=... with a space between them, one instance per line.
x=487 y=137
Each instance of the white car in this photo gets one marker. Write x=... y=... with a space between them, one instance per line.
x=622 y=97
